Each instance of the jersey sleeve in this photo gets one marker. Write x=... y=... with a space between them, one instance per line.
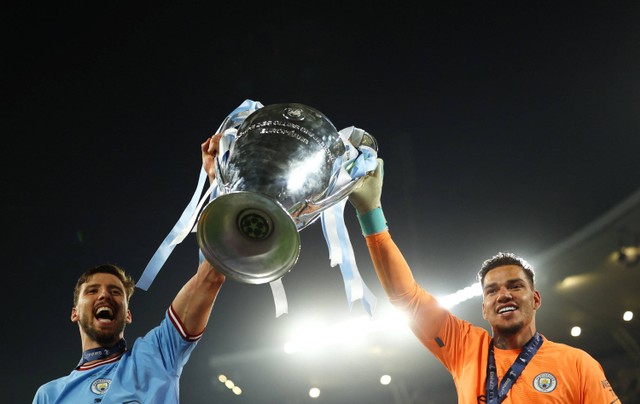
x=169 y=344
x=401 y=288
x=594 y=382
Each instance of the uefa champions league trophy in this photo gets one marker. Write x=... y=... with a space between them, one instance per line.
x=275 y=175
x=279 y=168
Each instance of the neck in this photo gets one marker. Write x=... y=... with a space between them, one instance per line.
x=90 y=343
x=103 y=352
x=513 y=341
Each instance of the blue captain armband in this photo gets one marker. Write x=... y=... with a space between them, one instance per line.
x=372 y=222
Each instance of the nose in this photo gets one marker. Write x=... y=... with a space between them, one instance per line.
x=105 y=294
x=504 y=294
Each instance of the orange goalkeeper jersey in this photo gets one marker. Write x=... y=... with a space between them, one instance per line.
x=558 y=373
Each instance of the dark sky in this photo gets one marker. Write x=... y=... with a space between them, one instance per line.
x=504 y=126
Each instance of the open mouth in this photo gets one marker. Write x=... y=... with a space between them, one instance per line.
x=104 y=314
x=507 y=309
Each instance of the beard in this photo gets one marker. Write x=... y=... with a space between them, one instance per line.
x=104 y=338
x=510 y=330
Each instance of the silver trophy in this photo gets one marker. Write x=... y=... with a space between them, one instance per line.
x=280 y=173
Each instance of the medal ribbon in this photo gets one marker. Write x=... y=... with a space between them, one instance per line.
x=495 y=393
x=100 y=353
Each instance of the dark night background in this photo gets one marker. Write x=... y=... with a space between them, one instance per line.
x=503 y=125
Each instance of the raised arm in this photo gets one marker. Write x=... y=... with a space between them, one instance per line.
x=390 y=265
x=194 y=302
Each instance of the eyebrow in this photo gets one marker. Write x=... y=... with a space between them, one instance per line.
x=109 y=285
x=508 y=282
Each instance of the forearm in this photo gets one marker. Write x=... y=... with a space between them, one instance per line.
x=394 y=272
x=392 y=269
x=194 y=302
x=401 y=288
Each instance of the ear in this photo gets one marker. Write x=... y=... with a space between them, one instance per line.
x=74 y=315
x=537 y=300
x=128 y=318
x=484 y=313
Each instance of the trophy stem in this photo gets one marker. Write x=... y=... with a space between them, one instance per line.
x=248 y=236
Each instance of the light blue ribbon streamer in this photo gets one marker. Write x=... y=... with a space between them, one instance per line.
x=236 y=117
x=337 y=236
x=166 y=248
x=366 y=161
x=348 y=267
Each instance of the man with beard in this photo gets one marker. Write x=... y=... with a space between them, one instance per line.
x=149 y=372
x=514 y=365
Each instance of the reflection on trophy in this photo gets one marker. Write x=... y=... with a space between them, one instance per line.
x=282 y=169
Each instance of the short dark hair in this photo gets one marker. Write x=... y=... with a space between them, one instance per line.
x=506 y=258
x=127 y=280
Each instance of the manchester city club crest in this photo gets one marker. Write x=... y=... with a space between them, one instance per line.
x=100 y=386
x=545 y=383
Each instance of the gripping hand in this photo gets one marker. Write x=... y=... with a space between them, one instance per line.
x=366 y=196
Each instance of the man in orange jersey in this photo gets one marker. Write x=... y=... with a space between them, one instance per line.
x=515 y=364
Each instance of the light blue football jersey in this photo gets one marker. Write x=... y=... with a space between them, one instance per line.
x=147 y=373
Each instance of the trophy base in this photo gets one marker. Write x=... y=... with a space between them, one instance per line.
x=249 y=237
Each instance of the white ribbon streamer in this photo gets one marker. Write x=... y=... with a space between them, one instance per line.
x=279 y=297
x=186 y=222
x=355 y=163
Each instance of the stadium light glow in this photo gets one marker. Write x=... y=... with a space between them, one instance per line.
x=313 y=334
x=460 y=296
x=314 y=392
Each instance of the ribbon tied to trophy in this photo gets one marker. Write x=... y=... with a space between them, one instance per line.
x=279 y=168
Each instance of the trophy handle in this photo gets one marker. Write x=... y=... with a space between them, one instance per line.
x=309 y=211
x=306 y=212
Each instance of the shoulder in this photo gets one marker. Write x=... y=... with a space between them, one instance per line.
x=163 y=347
x=53 y=388
x=568 y=352
x=562 y=347
x=170 y=331
x=462 y=334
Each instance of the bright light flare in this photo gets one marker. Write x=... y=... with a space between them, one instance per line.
x=385 y=380
x=300 y=172
x=314 y=392
x=230 y=384
x=460 y=296
x=314 y=335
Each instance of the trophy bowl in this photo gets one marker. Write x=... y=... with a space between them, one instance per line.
x=277 y=177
